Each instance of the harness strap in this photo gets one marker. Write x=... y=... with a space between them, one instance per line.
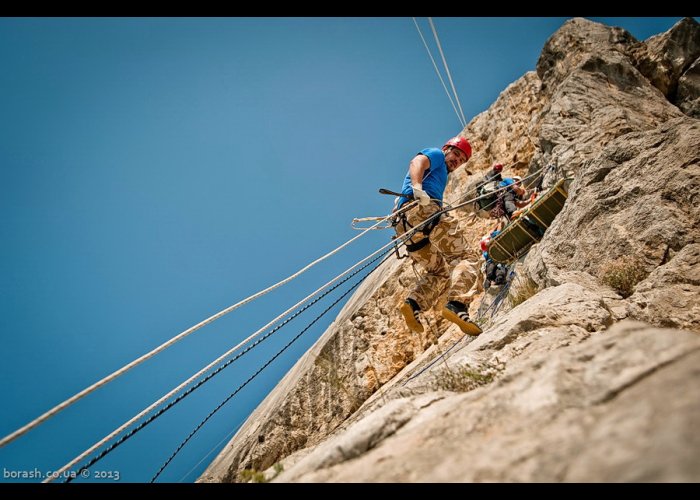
x=413 y=246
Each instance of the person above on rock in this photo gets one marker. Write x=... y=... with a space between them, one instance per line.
x=509 y=199
x=438 y=247
x=494 y=174
x=494 y=273
x=486 y=189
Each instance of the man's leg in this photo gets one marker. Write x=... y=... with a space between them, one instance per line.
x=432 y=280
x=435 y=273
x=450 y=241
x=461 y=259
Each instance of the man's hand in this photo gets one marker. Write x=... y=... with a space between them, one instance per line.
x=420 y=195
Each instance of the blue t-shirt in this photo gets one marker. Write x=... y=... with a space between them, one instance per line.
x=434 y=179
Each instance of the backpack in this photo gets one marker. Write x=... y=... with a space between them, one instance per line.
x=487 y=190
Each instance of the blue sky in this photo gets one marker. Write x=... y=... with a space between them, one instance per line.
x=156 y=171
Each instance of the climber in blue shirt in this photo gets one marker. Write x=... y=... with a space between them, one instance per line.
x=509 y=199
x=438 y=246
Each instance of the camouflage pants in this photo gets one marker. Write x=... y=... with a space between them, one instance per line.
x=446 y=259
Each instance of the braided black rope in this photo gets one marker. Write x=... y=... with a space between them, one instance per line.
x=250 y=379
x=150 y=419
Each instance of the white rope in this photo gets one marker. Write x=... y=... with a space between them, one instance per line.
x=447 y=69
x=213 y=363
x=65 y=404
x=495 y=191
x=461 y=120
x=366 y=219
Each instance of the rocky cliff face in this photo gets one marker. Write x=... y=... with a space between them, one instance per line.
x=578 y=377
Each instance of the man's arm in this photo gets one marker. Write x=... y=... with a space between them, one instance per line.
x=416 y=169
x=509 y=202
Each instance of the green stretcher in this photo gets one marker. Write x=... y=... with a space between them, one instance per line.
x=522 y=233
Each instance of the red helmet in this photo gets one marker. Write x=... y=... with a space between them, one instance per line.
x=484 y=243
x=460 y=143
x=497 y=167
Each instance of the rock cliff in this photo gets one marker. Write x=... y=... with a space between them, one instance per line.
x=591 y=369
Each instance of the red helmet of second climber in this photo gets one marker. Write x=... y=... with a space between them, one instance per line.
x=497 y=167
x=484 y=243
x=462 y=144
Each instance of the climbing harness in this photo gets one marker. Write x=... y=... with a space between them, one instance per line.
x=414 y=246
x=396 y=248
